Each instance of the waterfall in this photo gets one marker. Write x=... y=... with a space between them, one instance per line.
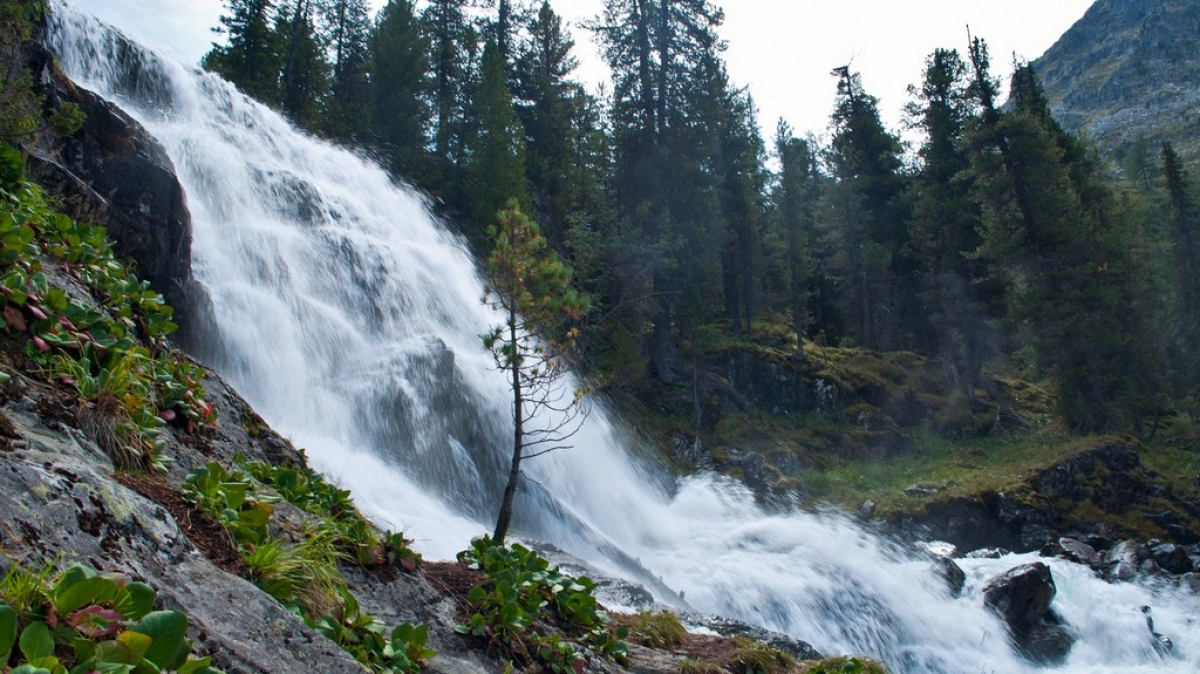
x=350 y=318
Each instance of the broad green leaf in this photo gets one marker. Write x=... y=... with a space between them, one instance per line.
x=36 y=642
x=75 y=574
x=195 y=665
x=477 y=595
x=94 y=590
x=30 y=669
x=115 y=651
x=8 y=631
x=136 y=643
x=167 y=629
x=134 y=600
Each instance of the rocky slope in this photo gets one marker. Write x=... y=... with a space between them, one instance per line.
x=1129 y=68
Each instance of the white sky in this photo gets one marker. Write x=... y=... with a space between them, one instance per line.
x=782 y=50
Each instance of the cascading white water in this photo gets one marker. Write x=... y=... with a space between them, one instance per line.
x=350 y=319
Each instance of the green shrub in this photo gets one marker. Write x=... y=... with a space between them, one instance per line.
x=304 y=575
x=309 y=491
x=84 y=621
x=523 y=597
x=115 y=353
x=228 y=497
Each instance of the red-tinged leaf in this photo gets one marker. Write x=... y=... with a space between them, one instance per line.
x=96 y=622
x=15 y=318
x=167 y=415
x=40 y=344
x=408 y=564
x=66 y=323
x=36 y=312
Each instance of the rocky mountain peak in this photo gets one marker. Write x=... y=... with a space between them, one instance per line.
x=1129 y=68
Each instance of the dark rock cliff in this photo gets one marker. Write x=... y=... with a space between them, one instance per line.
x=112 y=173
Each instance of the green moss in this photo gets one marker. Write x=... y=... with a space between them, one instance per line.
x=661 y=629
x=955 y=468
x=843 y=665
x=689 y=666
x=754 y=657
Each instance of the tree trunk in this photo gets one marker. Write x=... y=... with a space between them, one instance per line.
x=514 y=473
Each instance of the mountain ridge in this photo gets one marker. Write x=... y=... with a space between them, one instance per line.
x=1129 y=69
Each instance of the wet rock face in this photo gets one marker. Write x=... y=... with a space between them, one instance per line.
x=58 y=498
x=952 y=573
x=1022 y=597
x=113 y=173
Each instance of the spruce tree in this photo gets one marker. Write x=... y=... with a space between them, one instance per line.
x=399 y=63
x=250 y=59
x=945 y=225
x=348 y=29
x=1184 y=215
x=451 y=42
x=554 y=110
x=1053 y=229
x=497 y=166
x=304 y=73
x=795 y=202
x=661 y=53
x=866 y=158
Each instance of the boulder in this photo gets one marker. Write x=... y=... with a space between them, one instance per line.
x=1170 y=557
x=1021 y=597
x=952 y=573
x=1120 y=563
x=1073 y=550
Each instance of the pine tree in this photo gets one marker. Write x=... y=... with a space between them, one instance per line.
x=250 y=60
x=531 y=288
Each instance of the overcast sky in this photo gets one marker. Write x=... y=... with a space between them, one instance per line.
x=782 y=50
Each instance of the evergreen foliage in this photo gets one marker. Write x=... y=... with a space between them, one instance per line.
x=251 y=58
x=998 y=243
x=531 y=288
x=399 y=67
